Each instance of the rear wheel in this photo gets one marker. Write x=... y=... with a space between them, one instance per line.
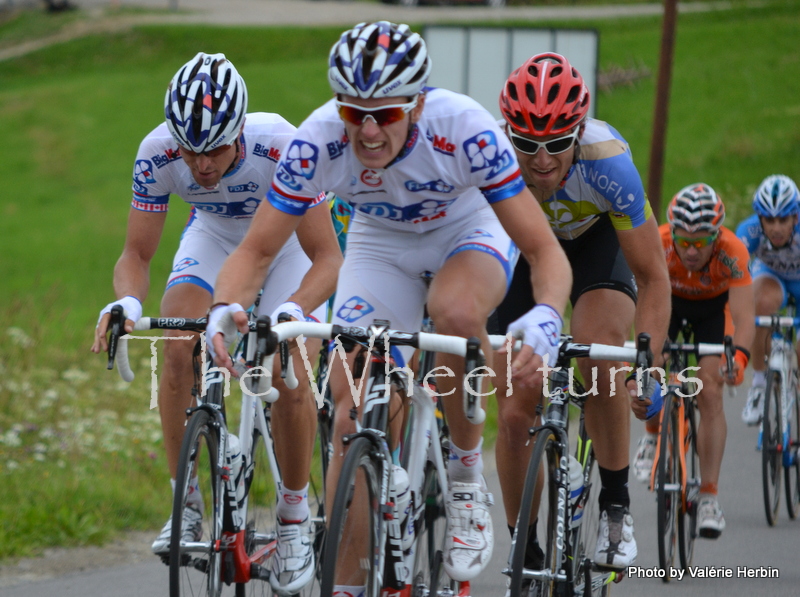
x=355 y=532
x=195 y=567
x=667 y=486
x=770 y=447
x=686 y=512
x=792 y=470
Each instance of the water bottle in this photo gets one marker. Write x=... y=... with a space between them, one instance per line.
x=401 y=495
x=575 y=490
x=234 y=462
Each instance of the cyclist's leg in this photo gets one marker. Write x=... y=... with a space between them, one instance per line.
x=603 y=283
x=607 y=419
x=712 y=430
x=294 y=424
x=770 y=295
x=188 y=294
x=373 y=284
x=516 y=411
x=468 y=286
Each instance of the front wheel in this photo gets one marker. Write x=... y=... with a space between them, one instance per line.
x=686 y=510
x=667 y=486
x=539 y=480
x=195 y=567
x=770 y=448
x=355 y=534
x=428 y=576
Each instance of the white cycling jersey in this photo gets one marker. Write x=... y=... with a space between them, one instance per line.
x=221 y=215
x=429 y=204
x=456 y=159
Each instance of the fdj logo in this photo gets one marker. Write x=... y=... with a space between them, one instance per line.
x=301 y=159
x=483 y=152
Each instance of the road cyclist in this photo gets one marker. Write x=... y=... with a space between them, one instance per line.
x=712 y=291
x=582 y=174
x=772 y=235
x=220 y=159
x=434 y=186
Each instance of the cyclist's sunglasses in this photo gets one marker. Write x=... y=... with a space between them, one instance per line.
x=553 y=146
x=697 y=243
x=382 y=115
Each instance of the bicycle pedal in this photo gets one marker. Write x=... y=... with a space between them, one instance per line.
x=259 y=572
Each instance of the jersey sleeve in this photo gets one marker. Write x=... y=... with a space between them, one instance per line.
x=493 y=166
x=607 y=166
x=295 y=186
x=749 y=232
x=735 y=257
x=151 y=186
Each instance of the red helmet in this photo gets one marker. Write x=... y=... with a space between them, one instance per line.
x=545 y=96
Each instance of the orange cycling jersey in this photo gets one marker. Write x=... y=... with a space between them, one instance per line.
x=727 y=267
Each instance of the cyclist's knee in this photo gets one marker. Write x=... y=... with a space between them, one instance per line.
x=459 y=318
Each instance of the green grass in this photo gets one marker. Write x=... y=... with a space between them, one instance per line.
x=81 y=454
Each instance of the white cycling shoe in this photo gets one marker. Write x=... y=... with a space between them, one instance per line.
x=470 y=540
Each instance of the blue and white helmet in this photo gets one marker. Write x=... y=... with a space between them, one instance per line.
x=776 y=197
x=206 y=103
x=379 y=59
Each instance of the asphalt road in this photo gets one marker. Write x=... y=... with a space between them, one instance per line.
x=747 y=541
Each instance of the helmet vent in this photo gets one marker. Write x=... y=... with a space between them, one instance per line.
x=553 y=93
x=540 y=124
x=512 y=91
x=530 y=92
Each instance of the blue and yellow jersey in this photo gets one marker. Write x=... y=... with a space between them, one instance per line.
x=604 y=180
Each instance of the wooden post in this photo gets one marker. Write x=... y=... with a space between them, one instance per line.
x=660 y=114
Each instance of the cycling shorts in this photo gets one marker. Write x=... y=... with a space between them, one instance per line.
x=597 y=262
x=201 y=253
x=382 y=274
x=710 y=318
x=788 y=287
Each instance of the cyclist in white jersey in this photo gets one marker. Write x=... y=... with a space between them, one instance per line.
x=221 y=160
x=581 y=172
x=772 y=235
x=435 y=186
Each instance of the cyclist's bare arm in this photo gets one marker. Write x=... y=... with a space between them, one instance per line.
x=645 y=256
x=132 y=271
x=318 y=239
x=742 y=304
x=551 y=275
x=244 y=271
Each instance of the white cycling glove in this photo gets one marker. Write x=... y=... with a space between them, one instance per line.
x=289 y=308
x=131 y=308
x=541 y=330
x=220 y=321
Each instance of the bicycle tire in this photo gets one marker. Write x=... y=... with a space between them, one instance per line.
x=770 y=454
x=687 y=508
x=666 y=479
x=583 y=538
x=199 y=572
x=361 y=469
x=547 y=452
x=791 y=463
x=427 y=577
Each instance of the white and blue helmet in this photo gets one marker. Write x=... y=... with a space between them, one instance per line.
x=379 y=59
x=206 y=103
x=776 y=197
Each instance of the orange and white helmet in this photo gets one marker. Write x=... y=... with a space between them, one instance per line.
x=696 y=208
